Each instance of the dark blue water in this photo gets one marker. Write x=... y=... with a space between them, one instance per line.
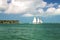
x=29 y=31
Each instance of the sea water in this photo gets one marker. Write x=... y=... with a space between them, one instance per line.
x=30 y=31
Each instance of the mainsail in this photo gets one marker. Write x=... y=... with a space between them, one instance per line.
x=34 y=20
x=38 y=21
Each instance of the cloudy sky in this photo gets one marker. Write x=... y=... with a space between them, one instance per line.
x=25 y=10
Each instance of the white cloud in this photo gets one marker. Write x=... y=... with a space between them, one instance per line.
x=50 y=10
x=41 y=12
x=30 y=7
x=41 y=4
x=57 y=11
x=3 y=5
x=51 y=5
x=58 y=6
x=25 y=5
x=18 y=6
x=28 y=15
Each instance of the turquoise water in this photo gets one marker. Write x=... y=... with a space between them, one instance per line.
x=29 y=31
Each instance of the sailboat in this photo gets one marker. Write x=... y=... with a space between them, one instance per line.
x=37 y=21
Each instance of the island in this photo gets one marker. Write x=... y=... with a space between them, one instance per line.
x=9 y=21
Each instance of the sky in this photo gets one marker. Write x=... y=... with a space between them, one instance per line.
x=25 y=10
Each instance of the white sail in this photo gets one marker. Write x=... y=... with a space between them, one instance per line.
x=34 y=20
x=39 y=21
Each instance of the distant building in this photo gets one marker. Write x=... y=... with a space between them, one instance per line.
x=9 y=22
